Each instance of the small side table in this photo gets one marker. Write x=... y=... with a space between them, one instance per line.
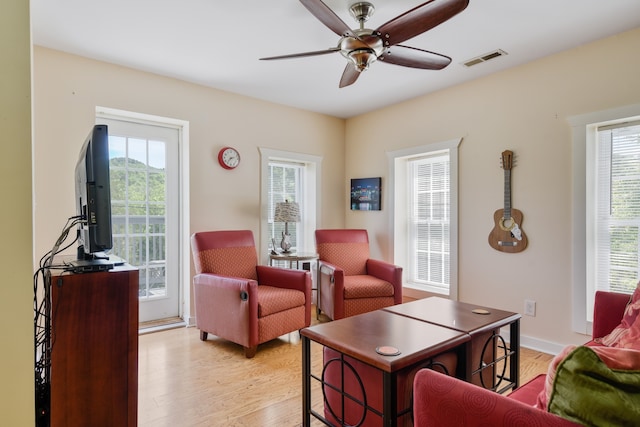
x=293 y=257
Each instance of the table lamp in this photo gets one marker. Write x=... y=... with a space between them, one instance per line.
x=286 y=212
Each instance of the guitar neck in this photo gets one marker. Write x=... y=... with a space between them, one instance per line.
x=507 y=193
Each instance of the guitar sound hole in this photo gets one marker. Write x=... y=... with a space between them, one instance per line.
x=507 y=224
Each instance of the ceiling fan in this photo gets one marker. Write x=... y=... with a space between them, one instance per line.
x=363 y=46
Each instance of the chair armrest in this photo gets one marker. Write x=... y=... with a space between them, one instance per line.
x=330 y=269
x=441 y=401
x=216 y=296
x=389 y=272
x=284 y=278
x=331 y=286
x=608 y=310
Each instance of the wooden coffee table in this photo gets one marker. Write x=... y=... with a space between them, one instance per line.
x=359 y=336
x=487 y=351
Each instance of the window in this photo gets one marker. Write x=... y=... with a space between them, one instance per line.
x=425 y=216
x=428 y=221
x=294 y=177
x=285 y=183
x=606 y=207
x=613 y=206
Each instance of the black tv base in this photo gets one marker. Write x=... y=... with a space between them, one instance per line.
x=89 y=265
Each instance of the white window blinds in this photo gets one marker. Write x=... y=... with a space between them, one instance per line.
x=617 y=246
x=285 y=183
x=429 y=221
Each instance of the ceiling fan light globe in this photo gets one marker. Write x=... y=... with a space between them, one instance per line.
x=362 y=58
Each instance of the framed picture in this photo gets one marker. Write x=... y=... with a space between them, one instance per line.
x=365 y=194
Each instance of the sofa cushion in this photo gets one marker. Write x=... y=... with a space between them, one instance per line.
x=543 y=396
x=627 y=333
x=597 y=386
x=528 y=393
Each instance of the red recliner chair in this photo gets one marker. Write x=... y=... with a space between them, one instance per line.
x=349 y=282
x=241 y=301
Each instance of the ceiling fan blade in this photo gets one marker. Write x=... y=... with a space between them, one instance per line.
x=419 y=19
x=415 y=58
x=349 y=75
x=303 y=54
x=327 y=17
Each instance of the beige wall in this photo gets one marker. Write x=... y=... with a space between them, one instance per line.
x=16 y=289
x=524 y=109
x=68 y=88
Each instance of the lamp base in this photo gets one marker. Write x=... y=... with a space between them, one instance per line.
x=285 y=244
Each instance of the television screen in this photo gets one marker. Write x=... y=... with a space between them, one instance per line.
x=93 y=195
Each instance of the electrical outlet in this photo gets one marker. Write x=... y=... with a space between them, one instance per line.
x=529 y=307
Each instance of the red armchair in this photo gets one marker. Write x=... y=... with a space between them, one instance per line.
x=241 y=301
x=349 y=282
x=444 y=401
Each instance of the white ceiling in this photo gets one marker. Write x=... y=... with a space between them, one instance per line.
x=217 y=43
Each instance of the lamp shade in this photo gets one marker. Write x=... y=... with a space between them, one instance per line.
x=287 y=212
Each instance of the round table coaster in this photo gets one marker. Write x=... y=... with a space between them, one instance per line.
x=480 y=311
x=387 y=350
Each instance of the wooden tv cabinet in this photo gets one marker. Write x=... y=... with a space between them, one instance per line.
x=94 y=357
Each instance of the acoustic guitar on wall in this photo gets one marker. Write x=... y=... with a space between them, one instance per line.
x=507 y=234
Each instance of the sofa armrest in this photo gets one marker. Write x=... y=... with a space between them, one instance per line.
x=215 y=296
x=388 y=272
x=608 y=310
x=442 y=401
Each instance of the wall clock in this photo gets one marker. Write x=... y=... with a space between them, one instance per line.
x=229 y=158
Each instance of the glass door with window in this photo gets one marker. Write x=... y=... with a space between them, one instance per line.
x=143 y=167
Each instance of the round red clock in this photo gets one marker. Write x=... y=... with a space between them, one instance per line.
x=229 y=158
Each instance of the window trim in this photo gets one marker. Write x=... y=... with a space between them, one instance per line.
x=583 y=133
x=396 y=198
x=312 y=204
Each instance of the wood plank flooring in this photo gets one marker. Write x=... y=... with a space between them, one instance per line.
x=185 y=382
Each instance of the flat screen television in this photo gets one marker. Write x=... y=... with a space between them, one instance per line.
x=93 y=197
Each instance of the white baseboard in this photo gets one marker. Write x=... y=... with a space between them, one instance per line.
x=541 y=345
x=161 y=328
x=535 y=343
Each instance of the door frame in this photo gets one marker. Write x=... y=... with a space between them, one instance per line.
x=184 y=258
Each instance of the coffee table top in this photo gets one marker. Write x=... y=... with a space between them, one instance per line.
x=359 y=336
x=455 y=315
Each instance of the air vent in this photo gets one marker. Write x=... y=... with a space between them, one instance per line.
x=486 y=57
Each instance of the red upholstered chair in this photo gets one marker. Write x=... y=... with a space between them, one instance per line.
x=241 y=301
x=349 y=282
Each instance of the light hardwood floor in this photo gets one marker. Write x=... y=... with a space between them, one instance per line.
x=186 y=382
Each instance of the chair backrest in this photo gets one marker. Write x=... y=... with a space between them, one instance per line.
x=228 y=253
x=345 y=248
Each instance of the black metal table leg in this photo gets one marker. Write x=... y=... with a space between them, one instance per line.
x=514 y=338
x=389 y=399
x=306 y=381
